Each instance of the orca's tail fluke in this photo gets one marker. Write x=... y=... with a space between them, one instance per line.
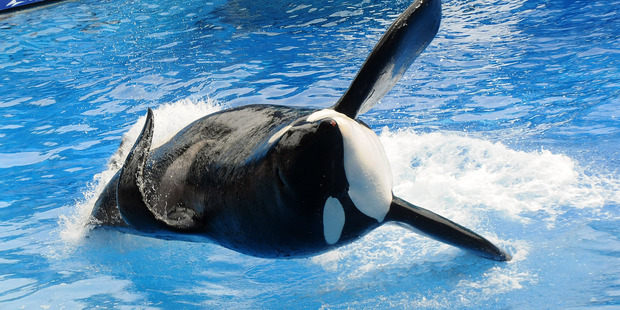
x=129 y=193
x=443 y=229
x=401 y=44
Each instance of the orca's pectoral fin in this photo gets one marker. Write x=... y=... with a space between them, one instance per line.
x=401 y=44
x=443 y=229
x=129 y=194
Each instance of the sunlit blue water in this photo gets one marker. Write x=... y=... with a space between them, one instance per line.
x=507 y=123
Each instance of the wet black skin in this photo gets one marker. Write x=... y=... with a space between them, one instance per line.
x=260 y=198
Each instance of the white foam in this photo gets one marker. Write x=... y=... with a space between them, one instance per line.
x=455 y=174
x=169 y=118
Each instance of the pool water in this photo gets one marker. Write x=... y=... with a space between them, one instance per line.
x=508 y=123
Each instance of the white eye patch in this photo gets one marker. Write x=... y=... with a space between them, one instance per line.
x=365 y=163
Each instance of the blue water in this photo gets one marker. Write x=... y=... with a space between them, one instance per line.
x=508 y=123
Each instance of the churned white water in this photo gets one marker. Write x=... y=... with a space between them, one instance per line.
x=456 y=174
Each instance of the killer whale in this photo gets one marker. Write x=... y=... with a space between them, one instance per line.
x=277 y=181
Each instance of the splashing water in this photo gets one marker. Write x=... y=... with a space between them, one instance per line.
x=452 y=172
